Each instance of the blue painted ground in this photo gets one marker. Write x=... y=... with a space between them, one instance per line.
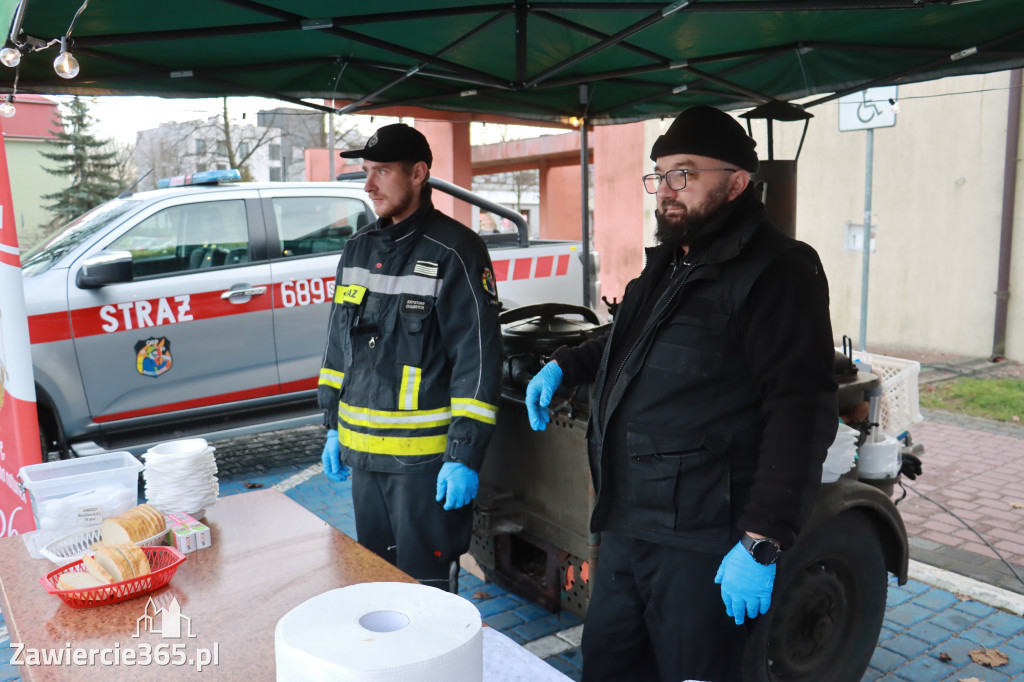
x=923 y=625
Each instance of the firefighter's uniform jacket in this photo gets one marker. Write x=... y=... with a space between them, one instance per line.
x=412 y=371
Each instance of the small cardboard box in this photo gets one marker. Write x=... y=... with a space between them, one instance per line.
x=193 y=534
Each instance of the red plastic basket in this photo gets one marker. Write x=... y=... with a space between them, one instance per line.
x=163 y=562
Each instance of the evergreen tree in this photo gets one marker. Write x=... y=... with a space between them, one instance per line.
x=85 y=160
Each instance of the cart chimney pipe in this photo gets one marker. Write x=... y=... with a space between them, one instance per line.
x=1009 y=206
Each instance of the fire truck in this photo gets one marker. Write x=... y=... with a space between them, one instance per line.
x=200 y=308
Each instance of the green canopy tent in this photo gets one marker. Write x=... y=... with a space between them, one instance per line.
x=637 y=60
x=598 y=61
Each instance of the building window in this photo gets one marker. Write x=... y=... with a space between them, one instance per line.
x=275 y=174
x=275 y=152
x=200 y=147
x=243 y=149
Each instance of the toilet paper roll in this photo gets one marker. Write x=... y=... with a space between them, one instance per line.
x=377 y=632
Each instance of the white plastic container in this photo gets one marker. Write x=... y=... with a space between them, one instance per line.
x=74 y=494
x=879 y=460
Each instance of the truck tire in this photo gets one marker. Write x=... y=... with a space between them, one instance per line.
x=827 y=608
x=52 y=445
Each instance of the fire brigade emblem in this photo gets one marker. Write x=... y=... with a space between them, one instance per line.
x=488 y=282
x=153 y=356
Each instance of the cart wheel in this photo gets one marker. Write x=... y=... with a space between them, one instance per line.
x=827 y=609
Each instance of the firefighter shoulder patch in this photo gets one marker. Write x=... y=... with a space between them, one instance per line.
x=489 y=285
x=153 y=356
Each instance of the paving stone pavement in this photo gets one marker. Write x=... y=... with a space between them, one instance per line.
x=928 y=631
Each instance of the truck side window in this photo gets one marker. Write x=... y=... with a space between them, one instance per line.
x=311 y=225
x=188 y=237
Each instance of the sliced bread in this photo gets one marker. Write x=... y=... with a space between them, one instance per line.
x=78 y=580
x=96 y=570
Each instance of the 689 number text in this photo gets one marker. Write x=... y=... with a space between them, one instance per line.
x=307 y=291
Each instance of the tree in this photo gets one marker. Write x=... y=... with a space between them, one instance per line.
x=83 y=159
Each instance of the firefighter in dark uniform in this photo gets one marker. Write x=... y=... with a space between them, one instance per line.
x=713 y=408
x=412 y=371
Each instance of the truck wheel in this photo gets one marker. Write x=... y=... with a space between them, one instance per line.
x=827 y=609
x=52 y=445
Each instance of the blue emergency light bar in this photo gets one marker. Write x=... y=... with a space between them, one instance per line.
x=213 y=177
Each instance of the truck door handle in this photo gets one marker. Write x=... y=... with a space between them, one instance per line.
x=251 y=291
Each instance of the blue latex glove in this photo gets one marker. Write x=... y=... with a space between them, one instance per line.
x=538 y=395
x=456 y=485
x=746 y=584
x=331 y=458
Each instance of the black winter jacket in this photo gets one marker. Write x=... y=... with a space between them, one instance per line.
x=716 y=413
x=412 y=372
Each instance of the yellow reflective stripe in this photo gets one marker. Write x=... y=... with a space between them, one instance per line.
x=330 y=377
x=409 y=392
x=353 y=293
x=394 y=419
x=390 y=445
x=475 y=409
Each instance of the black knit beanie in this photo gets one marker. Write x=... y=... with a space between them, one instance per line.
x=707 y=131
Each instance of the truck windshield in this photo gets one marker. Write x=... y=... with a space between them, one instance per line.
x=43 y=256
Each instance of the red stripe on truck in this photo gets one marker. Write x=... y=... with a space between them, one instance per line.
x=500 y=270
x=260 y=392
x=544 y=264
x=563 y=265
x=49 y=327
x=522 y=268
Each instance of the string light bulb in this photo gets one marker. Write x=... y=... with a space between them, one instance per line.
x=10 y=56
x=65 y=64
x=7 y=108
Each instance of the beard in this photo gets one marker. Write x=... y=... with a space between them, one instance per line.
x=684 y=229
x=397 y=204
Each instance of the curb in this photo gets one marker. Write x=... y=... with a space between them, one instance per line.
x=995 y=597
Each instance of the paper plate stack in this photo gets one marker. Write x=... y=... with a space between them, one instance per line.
x=181 y=476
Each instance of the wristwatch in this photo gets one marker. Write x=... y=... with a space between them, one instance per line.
x=764 y=551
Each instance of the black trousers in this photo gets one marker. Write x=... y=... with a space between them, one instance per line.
x=398 y=519
x=656 y=614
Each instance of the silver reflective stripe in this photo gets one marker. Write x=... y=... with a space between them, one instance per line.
x=392 y=284
x=408 y=398
x=389 y=418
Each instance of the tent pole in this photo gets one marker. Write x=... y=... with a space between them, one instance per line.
x=1009 y=208
x=585 y=203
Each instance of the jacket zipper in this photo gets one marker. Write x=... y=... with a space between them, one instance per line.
x=655 y=319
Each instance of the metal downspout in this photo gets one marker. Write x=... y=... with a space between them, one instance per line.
x=1009 y=207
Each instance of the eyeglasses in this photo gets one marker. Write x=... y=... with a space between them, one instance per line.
x=676 y=178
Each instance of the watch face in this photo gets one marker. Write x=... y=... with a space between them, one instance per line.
x=765 y=552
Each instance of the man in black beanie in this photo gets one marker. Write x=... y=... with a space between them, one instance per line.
x=713 y=408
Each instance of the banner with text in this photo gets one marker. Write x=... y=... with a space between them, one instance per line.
x=19 y=430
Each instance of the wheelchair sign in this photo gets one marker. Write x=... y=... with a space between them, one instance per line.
x=871 y=108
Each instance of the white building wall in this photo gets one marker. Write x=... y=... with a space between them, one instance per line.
x=937 y=192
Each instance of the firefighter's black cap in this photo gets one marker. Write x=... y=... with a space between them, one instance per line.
x=395 y=142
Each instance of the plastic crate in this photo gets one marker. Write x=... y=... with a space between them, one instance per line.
x=72 y=494
x=901 y=402
x=163 y=562
x=76 y=545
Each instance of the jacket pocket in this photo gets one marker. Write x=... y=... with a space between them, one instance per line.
x=677 y=481
x=414 y=314
x=690 y=344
